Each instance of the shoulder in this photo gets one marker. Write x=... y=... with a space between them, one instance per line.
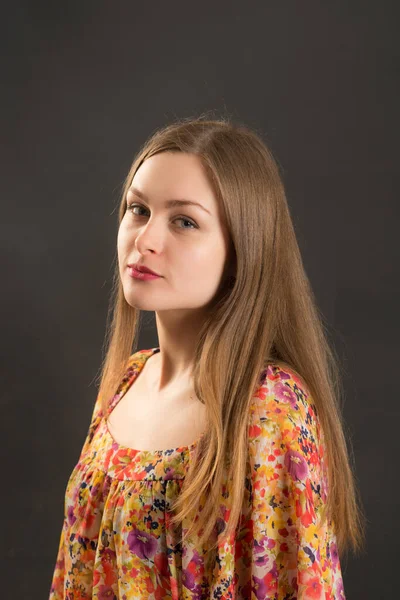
x=132 y=364
x=135 y=363
x=140 y=356
x=282 y=400
x=285 y=433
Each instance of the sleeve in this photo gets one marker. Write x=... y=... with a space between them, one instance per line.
x=58 y=579
x=294 y=554
x=57 y=583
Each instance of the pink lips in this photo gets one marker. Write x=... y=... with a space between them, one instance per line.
x=142 y=274
x=142 y=268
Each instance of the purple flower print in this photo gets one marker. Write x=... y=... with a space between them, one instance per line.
x=296 y=465
x=262 y=558
x=285 y=393
x=142 y=543
x=340 y=590
x=334 y=554
x=70 y=515
x=261 y=588
x=284 y=375
x=189 y=576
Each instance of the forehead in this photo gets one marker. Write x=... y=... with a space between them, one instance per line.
x=174 y=175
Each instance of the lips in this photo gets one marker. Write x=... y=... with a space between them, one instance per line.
x=143 y=269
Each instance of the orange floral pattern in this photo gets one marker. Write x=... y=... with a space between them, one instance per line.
x=117 y=542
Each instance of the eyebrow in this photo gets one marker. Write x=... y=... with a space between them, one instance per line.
x=169 y=203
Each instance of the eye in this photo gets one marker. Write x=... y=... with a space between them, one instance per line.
x=131 y=207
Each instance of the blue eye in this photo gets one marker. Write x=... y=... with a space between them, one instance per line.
x=130 y=208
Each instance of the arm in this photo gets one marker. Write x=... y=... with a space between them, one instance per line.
x=294 y=552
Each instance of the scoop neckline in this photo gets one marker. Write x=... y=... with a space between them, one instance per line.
x=145 y=355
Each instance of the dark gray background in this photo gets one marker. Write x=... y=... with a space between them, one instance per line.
x=84 y=84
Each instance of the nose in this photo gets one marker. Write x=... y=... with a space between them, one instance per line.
x=149 y=236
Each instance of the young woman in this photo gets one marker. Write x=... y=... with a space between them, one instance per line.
x=215 y=464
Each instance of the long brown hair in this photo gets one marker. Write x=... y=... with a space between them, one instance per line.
x=265 y=313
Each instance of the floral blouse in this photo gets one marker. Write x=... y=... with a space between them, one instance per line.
x=117 y=542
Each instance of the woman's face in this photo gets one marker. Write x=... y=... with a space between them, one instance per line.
x=187 y=245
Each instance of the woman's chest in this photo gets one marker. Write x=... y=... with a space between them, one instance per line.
x=157 y=422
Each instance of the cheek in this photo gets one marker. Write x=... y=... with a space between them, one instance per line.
x=122 y=237
x=206 y=260
x=211 y=254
